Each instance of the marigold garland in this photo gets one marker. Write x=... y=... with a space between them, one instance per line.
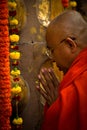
x=5 y=86
x=73 y=4
x=67 y=4
x=15 y=57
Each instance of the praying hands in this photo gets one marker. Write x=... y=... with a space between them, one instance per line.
x=49 y=83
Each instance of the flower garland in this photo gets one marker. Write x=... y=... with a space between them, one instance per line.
x=73 y=5
x=69 y=3
x=15 y=56
x=5 y=86
x=65 y=3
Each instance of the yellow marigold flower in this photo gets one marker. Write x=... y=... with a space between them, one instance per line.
x=15 y=55
x=16 y=90
x=14 y=38
x=15 y=72
x=18 y=121
x=12 y=4
x=73 y=3
x=14 y=22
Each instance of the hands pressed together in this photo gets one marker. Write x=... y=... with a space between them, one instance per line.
x=49 y=83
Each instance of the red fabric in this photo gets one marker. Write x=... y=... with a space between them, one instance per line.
x=69 y=111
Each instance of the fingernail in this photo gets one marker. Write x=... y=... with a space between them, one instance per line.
x=39 y=76
x=50 y=69
x=37 y=87
x=42 y=70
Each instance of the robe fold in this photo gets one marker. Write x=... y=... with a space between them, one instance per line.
x=69 y=111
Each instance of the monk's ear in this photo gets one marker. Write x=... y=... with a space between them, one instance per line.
x=71 y=44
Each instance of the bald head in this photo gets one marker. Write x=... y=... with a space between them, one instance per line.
x=69 y=23
x=66 y=37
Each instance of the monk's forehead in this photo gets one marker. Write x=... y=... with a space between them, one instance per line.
x=56 y=32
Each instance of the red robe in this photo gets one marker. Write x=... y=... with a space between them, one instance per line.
x=69 y=111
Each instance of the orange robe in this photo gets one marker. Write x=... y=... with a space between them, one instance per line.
x=69 y=111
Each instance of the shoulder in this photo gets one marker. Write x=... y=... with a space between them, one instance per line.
x=81 y=82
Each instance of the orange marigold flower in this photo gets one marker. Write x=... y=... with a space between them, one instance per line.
x=4 y=21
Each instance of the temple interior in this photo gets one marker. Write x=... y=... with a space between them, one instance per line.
x=28 y=54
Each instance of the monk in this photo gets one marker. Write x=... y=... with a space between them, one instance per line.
x=66 y=101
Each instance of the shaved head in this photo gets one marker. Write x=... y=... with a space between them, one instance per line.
x=69 y=23
x=66 y=36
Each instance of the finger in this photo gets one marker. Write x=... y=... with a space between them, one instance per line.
x=53 y=83
x=48 y=97
x=54 y=77
x=50 y=85
x=47 y=77
x=44 y=94
x=44 y=83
